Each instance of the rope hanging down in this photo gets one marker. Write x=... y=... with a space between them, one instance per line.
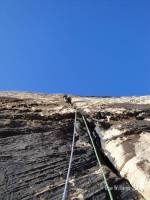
x=104 y=177
x=70 y=161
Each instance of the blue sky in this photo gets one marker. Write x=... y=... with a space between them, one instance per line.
x=86 y=47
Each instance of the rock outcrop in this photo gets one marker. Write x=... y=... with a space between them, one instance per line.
x=35 y=142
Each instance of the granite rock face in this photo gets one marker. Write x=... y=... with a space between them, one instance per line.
x=35 y=142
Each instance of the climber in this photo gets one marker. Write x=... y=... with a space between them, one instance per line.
x=67 y=99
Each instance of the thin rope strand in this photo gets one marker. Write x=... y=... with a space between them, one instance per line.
x=101 y=167
x=70 y=161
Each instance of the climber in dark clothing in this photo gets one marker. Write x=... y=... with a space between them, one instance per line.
x=67 y=99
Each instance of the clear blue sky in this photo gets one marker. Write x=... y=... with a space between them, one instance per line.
x=86 y=47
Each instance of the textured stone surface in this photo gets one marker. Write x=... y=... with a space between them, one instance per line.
x=124 y=124
x=35 y=140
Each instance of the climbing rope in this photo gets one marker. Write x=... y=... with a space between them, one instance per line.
x=71 y=157
x=70 y=161
x=104 y=177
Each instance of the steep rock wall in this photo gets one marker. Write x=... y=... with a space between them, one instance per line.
x=124 y=127
x=35 y=140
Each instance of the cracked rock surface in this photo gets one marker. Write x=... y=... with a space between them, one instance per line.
x=124 y=128
x=35 y=142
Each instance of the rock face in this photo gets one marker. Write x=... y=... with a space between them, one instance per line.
x=125 y=135
x=35 y=142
